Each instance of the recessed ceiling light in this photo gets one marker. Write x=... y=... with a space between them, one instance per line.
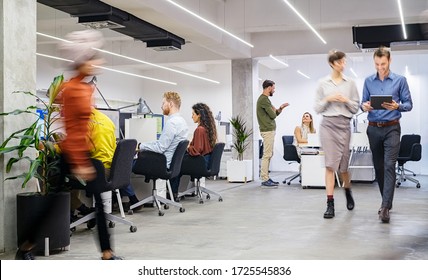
x=279 y=61
x=305 y=21
x=400 y=9
x=210 y=23
x=303 y=74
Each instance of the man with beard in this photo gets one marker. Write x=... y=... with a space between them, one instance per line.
x=174 y=131
x=266 y=114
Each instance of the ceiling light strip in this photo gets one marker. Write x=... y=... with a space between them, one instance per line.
x=137 y=60
x=156 y=65
x=110 y=69
x=400 y=9
x=136 y=75
x=280 y=61
x=305 y=21
x=303 y=74
x=210 y=23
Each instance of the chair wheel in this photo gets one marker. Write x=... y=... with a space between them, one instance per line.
x=91 y=223
x=418 y=186
x=130 y=212
x=182 y=209
x=208 y=196
x=111 y=224
x=288 y=183
x=220 y=199
x=133 y=228
x=73 y=229
x=161 y=213
x=166 y=207
x=201 y=201
x=284 y=182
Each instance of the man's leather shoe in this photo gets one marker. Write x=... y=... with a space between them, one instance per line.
x=384 y=215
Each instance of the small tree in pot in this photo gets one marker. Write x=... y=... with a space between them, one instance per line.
x=240 y=170
x=241 y=134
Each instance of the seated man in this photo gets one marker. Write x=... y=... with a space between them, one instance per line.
x=174 y=131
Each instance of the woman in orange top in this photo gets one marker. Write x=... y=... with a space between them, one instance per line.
x=76 y=99
x=204 y=139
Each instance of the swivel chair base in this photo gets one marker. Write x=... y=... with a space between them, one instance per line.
x=157 y=200
x=402 y=176
x=90 y=218
x=291 y=178
x=199 y=192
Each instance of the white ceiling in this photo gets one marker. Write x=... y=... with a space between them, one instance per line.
x=267 y=24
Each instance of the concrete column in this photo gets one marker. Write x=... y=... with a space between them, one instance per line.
x=244 y=84
x=17 y=72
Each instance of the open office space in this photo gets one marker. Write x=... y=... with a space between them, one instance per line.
x=219 y=52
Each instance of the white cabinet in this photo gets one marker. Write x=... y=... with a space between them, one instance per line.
x=312 y=170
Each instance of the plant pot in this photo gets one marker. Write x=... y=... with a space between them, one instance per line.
x=45 y=216
x=240 y=170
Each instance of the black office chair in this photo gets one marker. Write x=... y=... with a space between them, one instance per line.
x=290 y=155
x=120 y=177
x=196 y=168
x=410 y=150
x=153 y=166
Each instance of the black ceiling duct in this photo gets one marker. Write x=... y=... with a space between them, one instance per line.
x=96 y=14
x=367 y=37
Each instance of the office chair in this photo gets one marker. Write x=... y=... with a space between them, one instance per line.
x=120 y=177
x=196 y=168
x=291 y=155
x=410 y=150
x=153 y=166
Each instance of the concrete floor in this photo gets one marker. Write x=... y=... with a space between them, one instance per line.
x=285 y=224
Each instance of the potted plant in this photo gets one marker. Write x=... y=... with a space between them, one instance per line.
x=240 y=170
x=24 y=147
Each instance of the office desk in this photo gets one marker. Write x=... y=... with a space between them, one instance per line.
x=312 y=170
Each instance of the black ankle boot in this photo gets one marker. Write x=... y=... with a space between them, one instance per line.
x=329 y=213
x=350 y=204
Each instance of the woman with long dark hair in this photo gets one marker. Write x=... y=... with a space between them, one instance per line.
x=204 y=139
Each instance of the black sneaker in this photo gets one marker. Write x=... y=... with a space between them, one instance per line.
x=269 y=185
x=272 y=181
x=24 y=255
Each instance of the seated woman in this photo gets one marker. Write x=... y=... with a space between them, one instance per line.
x=301 y=132
x=204 y=139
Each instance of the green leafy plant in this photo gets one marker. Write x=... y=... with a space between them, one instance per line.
x=241 y=134
x=38 y=135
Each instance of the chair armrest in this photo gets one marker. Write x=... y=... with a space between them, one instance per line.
x=416 y=152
